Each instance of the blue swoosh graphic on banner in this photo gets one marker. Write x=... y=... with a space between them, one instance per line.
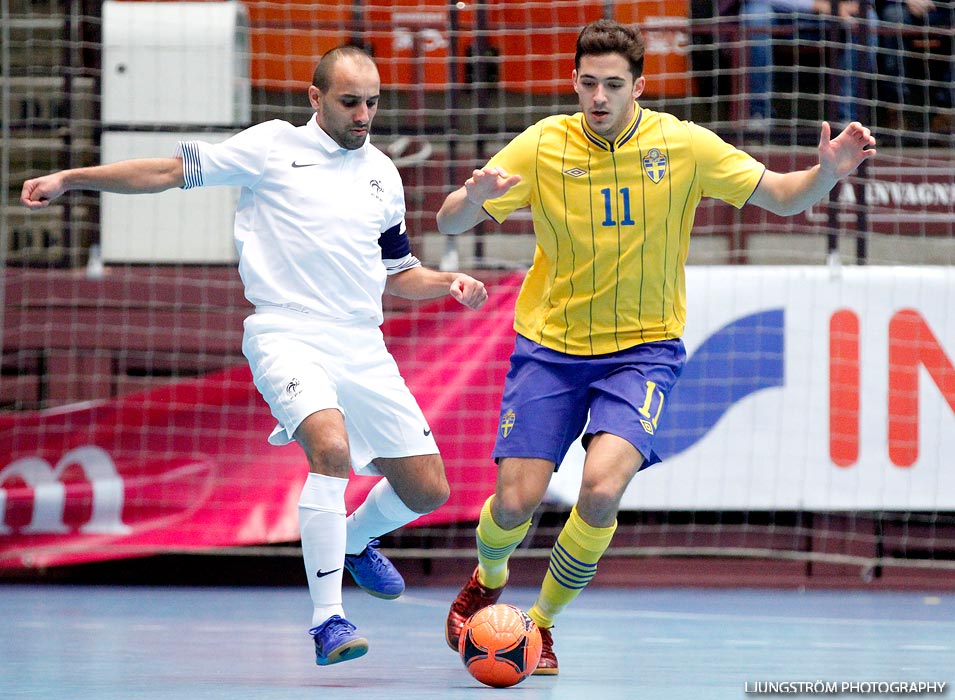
x=739 y=359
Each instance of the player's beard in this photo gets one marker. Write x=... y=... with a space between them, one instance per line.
x=352 y=141
x=344 y=136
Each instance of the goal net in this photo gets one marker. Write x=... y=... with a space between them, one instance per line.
x=813 y=429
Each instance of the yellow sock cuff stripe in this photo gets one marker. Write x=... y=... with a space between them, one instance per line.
x=569 y=571
x=579 y=546
x=593 y=539
x=494 y=542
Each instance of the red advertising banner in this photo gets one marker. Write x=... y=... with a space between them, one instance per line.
x=813 y=388
x=188 y=466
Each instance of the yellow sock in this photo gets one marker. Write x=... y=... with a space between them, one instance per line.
x=495 y=545
x=573 y=563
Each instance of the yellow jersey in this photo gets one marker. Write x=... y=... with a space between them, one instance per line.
x=612 y=223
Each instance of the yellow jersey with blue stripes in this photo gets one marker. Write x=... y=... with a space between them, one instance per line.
x=612 y=222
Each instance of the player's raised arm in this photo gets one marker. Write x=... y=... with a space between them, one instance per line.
x=786 y=194
x=464 y=208
x=137 y=176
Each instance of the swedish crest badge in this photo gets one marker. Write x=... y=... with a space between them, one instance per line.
x=655 y=164
x=507 y=421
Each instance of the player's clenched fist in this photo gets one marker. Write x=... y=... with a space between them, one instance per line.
x=39 y=192
x=469 y=291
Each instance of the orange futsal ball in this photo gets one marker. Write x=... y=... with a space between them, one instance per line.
x=500 y=645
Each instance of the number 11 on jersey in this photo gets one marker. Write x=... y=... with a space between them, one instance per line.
x=608 y=207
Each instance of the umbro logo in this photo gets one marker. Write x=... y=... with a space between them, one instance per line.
x=296 y=164
x=323 y=574
x=575 y=172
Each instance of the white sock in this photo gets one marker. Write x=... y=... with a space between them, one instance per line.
x=321 y=517
x=382 y=512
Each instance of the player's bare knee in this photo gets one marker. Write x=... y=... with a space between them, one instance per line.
x=429 y=498
x=331 y=459
x=438 y=497
x=598 y=504
x=512 y=509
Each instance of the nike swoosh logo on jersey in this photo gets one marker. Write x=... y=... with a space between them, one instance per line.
x=427 y=432
x=303 y=165
x=323 y=574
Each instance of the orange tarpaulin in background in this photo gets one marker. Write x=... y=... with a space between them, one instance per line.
x=287 y=39
x=531 y=44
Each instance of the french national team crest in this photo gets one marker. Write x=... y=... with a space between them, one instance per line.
x=376 y=189
x=655 y=164
x=507 y=422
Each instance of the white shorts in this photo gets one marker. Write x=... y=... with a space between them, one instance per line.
x=302 y=364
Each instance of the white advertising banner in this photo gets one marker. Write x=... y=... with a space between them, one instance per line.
x=806 y=388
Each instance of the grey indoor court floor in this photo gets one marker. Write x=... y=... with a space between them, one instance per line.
x=75 y=642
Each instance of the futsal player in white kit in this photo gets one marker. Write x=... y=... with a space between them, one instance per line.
x=320 y=233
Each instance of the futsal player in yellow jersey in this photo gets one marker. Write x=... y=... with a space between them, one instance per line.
x=601 y=281
x=613 y=191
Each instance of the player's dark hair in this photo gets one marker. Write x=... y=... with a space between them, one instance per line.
x=606 y=36
x=322 y=77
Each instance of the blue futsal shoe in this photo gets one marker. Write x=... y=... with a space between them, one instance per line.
x=336 y=640
x=374 y=573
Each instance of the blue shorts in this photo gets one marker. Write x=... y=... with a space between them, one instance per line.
x=548 y=396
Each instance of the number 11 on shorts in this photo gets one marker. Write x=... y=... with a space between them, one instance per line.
x=650 y=419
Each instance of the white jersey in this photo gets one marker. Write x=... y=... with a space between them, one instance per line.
x=312 y=217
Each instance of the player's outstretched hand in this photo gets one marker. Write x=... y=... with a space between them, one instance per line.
x=488 y=183
x=39 y=192
x=842 y=155
x=469 y=291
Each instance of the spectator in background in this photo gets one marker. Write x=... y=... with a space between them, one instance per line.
x=712 y=55
x=917 y=67
x=760 y=17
